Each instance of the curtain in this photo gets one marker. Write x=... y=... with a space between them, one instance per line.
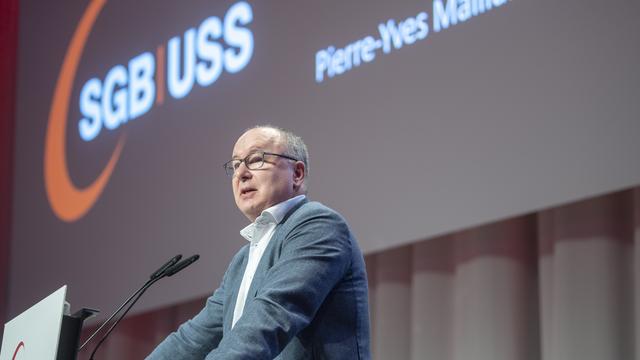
x=560 y=284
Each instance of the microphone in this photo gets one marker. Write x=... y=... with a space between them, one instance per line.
x=164 y=267
x=181 y=265
x=168 y=269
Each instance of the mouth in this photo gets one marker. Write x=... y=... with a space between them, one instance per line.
x=247 y=192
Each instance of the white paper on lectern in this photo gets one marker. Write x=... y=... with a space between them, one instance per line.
x=38 y=329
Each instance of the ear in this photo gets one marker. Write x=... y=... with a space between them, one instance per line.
x=298 y=174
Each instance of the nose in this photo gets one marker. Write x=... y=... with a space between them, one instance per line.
x=242 y=172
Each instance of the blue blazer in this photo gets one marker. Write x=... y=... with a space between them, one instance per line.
x=308 y=299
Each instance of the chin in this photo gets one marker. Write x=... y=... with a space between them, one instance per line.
x=250 y=212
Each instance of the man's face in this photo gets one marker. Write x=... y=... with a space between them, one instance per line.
x=257 y=190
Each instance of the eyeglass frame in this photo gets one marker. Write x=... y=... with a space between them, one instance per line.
x=228 y=164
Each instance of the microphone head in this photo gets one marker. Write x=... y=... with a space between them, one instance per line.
x=161 y=271
x=181 y=265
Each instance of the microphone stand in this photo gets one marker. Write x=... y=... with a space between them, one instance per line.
x=139 y=293
x=154 y=277
x=114 y=314
x=169 y=269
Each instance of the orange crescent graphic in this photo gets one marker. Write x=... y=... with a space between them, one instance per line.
x=21 y=345
x=68 y=202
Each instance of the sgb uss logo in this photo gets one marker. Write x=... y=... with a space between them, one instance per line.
x=128 y=91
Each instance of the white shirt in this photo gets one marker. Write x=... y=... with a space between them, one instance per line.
x=259 y=234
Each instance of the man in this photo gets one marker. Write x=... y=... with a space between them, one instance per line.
x=298 y=290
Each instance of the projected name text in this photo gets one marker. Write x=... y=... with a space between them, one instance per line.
x=393 y=35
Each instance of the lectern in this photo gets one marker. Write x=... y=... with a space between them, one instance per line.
x=44 y=332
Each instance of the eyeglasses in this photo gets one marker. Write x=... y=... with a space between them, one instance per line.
x=253 y=161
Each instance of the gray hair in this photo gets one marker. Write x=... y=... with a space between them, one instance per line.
x=295 y=146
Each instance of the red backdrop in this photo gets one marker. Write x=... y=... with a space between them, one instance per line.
x=8 y=49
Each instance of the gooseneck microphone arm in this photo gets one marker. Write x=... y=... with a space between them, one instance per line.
x=165 y=271
x=153 y=276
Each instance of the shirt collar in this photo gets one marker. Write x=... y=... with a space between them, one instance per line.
x=273 y=215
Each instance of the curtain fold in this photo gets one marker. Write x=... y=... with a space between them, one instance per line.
x=587 y=279
x=392 y=305
x=431 y=300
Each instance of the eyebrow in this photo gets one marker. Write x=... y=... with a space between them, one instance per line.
x=251 y=150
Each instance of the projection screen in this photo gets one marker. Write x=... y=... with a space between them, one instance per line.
x=421 y=117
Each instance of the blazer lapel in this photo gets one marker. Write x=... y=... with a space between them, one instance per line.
x=234 y=280
x=270 y=255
